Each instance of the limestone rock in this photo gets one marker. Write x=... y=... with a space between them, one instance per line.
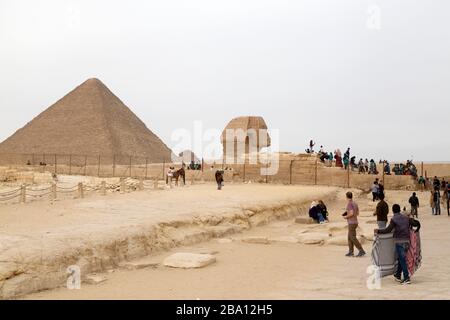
x=136 y=265
x=337 y=241
x=304 y=220
x=258 y=240
x=313 y=238
x=189 y=260
x=224 y=240
x=284 y=239
x=95 y=279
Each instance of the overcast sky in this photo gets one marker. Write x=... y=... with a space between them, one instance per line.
x=373 y=75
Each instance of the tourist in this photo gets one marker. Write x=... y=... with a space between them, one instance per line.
x=169 y=175
x=382 y=212
x=311 y=146
x=414 y=202
x=401 y=226
x=375 y=190
x=443 y=184
x=347 y=153
x=360 y=166
x=387 y=168
x=380 y=189
x=323 y=210
x=330 y=159
x=353 y=163
x=366 y=165
x=422 y=183
x=338 y=158
x=436 y=183
x=315 y=213
x=436 y=197
x=448 y=198
x=372 y=167
x=351 y=215
x=219 y=179
x=346 y=162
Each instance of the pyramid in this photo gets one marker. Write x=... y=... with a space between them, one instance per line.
x=90 y=120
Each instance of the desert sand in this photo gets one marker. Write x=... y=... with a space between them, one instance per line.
x=282 y=268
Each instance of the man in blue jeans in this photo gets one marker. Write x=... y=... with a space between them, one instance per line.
x=401 y=225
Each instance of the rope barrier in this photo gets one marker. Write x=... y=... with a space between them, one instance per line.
x=70 y=188
x=9 y=198
x=38 y=190
x=38 y=195
x=8 y=193
x=68 y=191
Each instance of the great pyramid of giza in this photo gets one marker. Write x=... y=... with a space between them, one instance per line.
x=90 y=120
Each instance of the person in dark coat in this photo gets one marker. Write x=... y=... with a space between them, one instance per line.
x=219 y=179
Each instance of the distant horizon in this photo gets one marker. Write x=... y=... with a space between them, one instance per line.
x=370 y=75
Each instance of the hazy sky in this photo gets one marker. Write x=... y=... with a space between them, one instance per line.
x=373 y=75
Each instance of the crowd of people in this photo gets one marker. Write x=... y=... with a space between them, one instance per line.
x=348 y=161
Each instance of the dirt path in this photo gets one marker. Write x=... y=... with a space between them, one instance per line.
x=283 y=270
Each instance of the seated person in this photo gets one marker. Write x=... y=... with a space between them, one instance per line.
x=315 y=213
x=323 y=210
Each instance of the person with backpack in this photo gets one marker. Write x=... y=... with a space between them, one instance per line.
x=414 y=202
x=351 y=215
x=401 y=225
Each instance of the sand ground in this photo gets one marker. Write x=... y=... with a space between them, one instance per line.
x=283 y=270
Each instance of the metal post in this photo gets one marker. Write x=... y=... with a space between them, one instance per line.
x=290 y=171
x=114 y=166
x=203 y=163
x=85 y=164
x=244 y=172
x=146 y=168
x=98 y=171
x=23 y=193
x=70 y=165
x=53 y=191
x=422 y=169
x=103 y=188
x=267 y=170
x=315 y=173
x=164 y=169
x=80 y=190
x=130 y=166
x=348 y=176
x=122 y=185
x=56 y=165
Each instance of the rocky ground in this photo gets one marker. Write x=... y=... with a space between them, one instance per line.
x=280 y=260
x=40 y=240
